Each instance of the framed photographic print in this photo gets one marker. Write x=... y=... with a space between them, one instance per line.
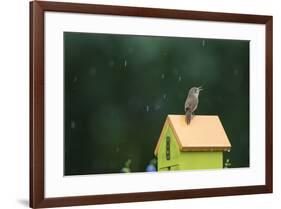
x=139 y=104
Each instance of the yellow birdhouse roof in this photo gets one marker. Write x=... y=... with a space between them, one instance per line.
x=204 y=133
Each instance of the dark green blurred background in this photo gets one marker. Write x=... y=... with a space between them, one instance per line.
x=118 y=90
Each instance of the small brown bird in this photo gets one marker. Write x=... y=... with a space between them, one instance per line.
x=191 y=103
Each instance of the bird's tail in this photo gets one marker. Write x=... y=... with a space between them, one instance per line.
x=188 y=116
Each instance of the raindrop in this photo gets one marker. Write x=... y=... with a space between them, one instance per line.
x=203 y=43
x=73 y=124
x=92 y=71
x=147 y=108
x=179 y=79
x=164 y=96
x=75 y=79
x=111 y=63
x=125 y=63
x=236 y=72
x=157 y=107
x=163 y=76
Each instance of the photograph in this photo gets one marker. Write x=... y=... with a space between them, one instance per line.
x=136 y=103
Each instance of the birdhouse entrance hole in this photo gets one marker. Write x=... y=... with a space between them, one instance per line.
x=168 y=143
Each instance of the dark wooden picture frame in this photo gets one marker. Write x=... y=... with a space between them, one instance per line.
x=37 y=195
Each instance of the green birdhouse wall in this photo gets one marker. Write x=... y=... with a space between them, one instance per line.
x=199 y=145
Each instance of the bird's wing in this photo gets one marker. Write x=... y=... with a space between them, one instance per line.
x=190 y=103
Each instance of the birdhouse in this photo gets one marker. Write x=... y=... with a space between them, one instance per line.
x=198 y=145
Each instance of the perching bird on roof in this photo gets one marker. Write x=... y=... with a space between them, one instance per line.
x=191 y=103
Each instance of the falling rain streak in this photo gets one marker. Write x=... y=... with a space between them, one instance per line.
x=73 y=124
x=179 y=79
x=203 y=43
x=157 y=107
x=125 y=63
x=147 y=108
x=111 y=63
x=92 y=71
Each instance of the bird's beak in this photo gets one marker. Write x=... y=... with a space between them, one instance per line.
x=200 y=88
